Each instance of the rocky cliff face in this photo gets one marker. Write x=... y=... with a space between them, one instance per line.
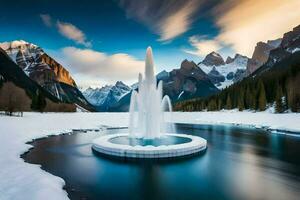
x=213 y=59
x=261 y=54
x=61 y=74
x=290 y=44
x=289 y=38
x=229 y=60
x=36 y=63
x=188 y=81
x=45 y=71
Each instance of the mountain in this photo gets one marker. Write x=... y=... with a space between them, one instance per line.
x=163 y=75
x=289 y=45
x=45 y=71
x=213 y=59
x=228 y=73
x=261 y=54
x=38 y=98
x=229 y=60
x=187 y=82
x=275 y=83
x=105 y=97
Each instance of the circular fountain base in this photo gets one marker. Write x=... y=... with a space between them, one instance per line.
x=121 y=145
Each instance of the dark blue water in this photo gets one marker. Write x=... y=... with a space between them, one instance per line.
x=166 y=140
x=240 y=163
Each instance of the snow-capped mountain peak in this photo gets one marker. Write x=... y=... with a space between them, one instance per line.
x=227 y=73
x=15 y=44
x=213 y=59
x=108 y=94
x=23 y=53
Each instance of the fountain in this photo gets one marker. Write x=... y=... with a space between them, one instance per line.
x=148 y=136
x=147 y=105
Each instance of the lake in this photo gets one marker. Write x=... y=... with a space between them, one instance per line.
x=239 y=163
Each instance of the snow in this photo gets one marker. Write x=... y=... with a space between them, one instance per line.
x=284 y=122
x=28 y=49
x=99 y=96
x=20 y=180
x=239 y=63
x=216 y=55
x=14 y=44
x=295 y=50
x=181 y=93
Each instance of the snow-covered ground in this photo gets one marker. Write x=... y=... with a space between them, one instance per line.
x=20 y=180
x=286 y=122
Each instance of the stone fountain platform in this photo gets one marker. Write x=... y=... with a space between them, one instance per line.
x=105 y=146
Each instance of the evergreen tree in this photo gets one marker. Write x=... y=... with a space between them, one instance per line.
x=228 y=102
x=253 y=104
x=219 y=104
x=248 y=98
x=34 y=104
x=279 y=106
x=41 y=102
x=262 y=101
x=241 y=104
x=38 y=101
x=212 y=105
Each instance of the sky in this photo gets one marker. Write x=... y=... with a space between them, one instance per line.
x=103 y=41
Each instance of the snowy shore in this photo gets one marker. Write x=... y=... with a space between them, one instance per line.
x=285 y=122
x=20 y=180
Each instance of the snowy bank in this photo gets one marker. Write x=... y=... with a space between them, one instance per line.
x=285 y=122
x=20 y=180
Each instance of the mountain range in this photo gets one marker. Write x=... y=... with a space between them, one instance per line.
x=105 y=97
x=274 y=81
x=28 y=66
x=187 y=82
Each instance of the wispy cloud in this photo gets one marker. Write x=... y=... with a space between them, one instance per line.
x=167 y=18
x=67 y=30
x=202 y=45
x=71 y=32
x=47 y=20
x=177 y=23
x=99 y=66
x=245 y=22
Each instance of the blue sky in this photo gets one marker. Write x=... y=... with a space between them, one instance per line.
x=104 y=41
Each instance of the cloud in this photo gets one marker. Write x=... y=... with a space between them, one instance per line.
x=177 y=23
x=203 y=45
x=46 y=19
x=167 y=18
x=100 y=66
x=245 y=22
x=71 y=32
x=68 y=30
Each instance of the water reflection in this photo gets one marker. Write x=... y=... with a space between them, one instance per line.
x=240 y=163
